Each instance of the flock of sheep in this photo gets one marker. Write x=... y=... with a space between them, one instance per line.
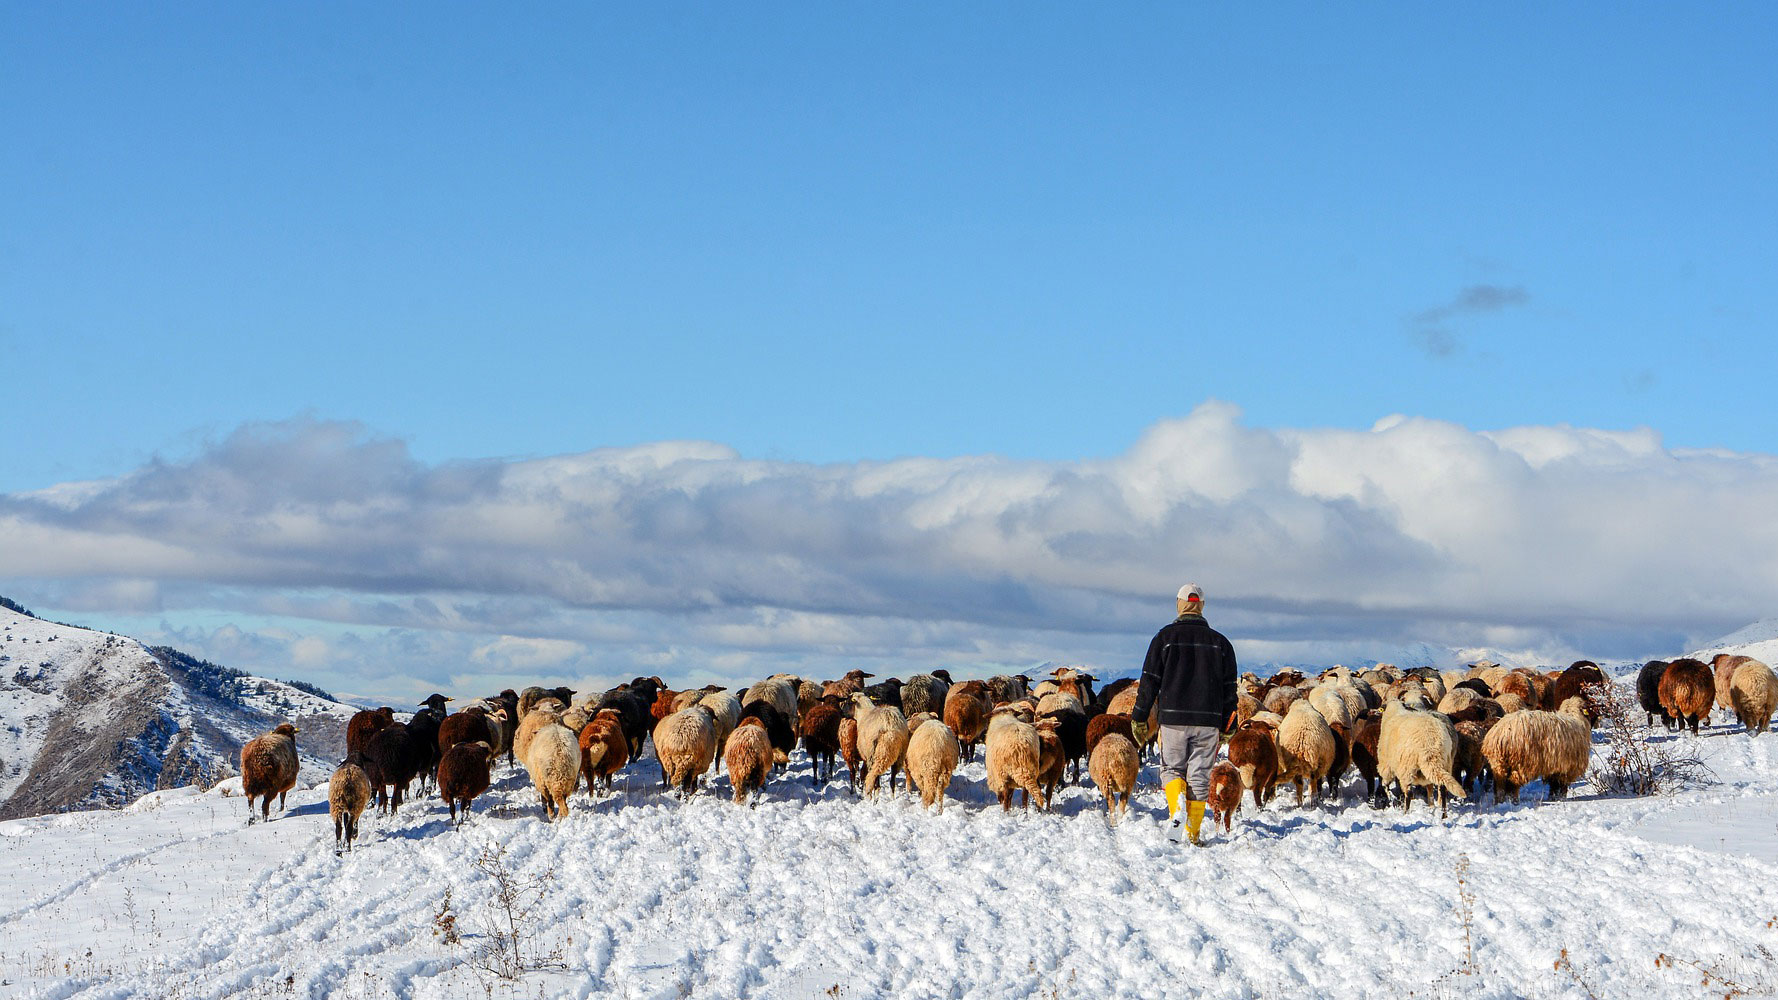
x=1451 y=733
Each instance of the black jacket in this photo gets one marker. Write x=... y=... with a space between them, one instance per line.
x=1190 y=673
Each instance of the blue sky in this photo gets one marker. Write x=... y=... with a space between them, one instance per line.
x=830 y=235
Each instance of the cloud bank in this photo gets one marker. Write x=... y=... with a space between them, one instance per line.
x=686 y=555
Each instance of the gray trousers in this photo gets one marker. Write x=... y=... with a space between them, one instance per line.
x=1189 y=752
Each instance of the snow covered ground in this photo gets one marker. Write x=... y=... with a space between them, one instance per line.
x=818 y=894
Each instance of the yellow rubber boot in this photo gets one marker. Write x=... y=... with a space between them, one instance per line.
x=1174 y=790
x=1194 y=819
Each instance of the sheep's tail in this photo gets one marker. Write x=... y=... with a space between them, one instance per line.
x=1248 y=775
x=596 y=753
x=1435 y=769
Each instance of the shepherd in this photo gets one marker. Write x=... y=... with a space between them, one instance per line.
x=1189 y=674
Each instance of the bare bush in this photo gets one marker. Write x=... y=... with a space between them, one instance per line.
x=1631 y=764
x=508 y=951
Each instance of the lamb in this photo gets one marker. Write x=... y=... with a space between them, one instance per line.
x=821 y=737
x=363 y=725
x=603 y=749
x=1014 y=753
x=749 y=756
x=1225 y=794
x=685 y=742
x=1113 y=767
x=348 y=792
x=882 y=740
x=924 y=693
x=967 y=707
x=1753 y=694
x=463 y=774
x=931 y=760
x=1101 y=726
x=553 y=761
x=269 y=767
x=1417 y=749
x=1528 y=745
x=1687 y=691
x=1305 y=749
x=1255 y=759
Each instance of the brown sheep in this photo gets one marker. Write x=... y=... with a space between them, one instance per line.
x=348 y=792
x=1101 y=726
x=362 y=725
x=1468 y=762
x=1279 y=700
x=967 y=707
x=1517 y=682
x=1225 y=794
x=269 y=767
x=664 y=705
x=849 y=752
x=603 y=748
x=821 y=737
x=1052 y=757
x=463 y=774
x=749 y=758
x=1254 y=756
x=471 y=725
x=1687 y=691
x=1575 y=682
x=1245 y=706
x=1753 y=694
x=1364 y=750
x=1113 y=767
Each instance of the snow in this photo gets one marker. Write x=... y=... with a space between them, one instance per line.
x=1759 y=640
x=815 y=893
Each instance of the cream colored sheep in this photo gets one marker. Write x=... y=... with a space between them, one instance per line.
x=749 y=758
x=1057 y=701
x=1510 y=703
x=1113 y=767
x=1753 y=694
x=1305 y=749
x=1458 y=700
x=1530 y=744
x=546 y=712
x=725 y=715
x=932 y=759
x=778 y=691
x=1014 y=757
x=1330 y=700
x=685 y=742
x=552 y=757
x=882 y=740
x=1417 y=749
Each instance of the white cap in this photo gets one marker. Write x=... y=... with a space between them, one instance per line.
x=1191 y=592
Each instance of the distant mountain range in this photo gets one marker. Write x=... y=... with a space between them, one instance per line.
x=90 y=720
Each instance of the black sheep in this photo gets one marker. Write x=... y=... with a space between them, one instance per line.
x=391 y=759
x=422 y=730
x=509 y=699
x=778 y=728
x=886 y=693
x=1648 y=692
x=1112 y=690
x=1072 y=729
x=1477 y=685
x=633 y=715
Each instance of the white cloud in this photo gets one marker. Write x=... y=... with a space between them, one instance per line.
x=1414 y=529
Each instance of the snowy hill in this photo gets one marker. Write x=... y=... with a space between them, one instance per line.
x=1759 y=640
x=815 y=893
x=92 y=720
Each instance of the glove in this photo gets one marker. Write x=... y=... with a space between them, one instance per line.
x=1139 y=729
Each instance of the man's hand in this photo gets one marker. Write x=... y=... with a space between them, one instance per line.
x=1139 y=729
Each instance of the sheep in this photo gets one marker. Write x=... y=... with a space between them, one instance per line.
x=931 y=760
x=1101 y=726
x=1648 y=692
x=1342 y=759
x=1071 y=726
x=1052 y=756
x=1124 y=703
x=1458 y=701
x=509 y=725
x=1305 y=749
x=1255 y=759
x=1003 y=688
x=1279 y=700
x=634 y=706
x=463 y=774
x=685 y=742
x=1528 y=745
x=821 y=737
x=269 y=767
x=553 y=760
x=1245 y=706
x=663 y=705
x=1014 y=754
x=544 y=712
x=749 y=756
x=780 y=694
x=1225 y=794
x=967 y=707
x=846 y=686
x=924 y=693
x=1753 y=694
x=470 y=725
x=1467 y=761
x=849 y=752
x=1724 y=665
x=1687 y=691
x=1417 y=749
x=1113 y=767
x=778 y=729
x=882 y=740
x=603 y=748
x=808 y=695
x=348 y=792
x=363 y=725
x=391 y=760
x=725 y=714
x=422 y=734
x=887 y=692
x=1111 y=691
x=1364 y=751
x=1574 y=681
x=1510 y=703
x=1333 y=706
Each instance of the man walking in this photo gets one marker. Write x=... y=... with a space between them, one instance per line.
x=1190 y=675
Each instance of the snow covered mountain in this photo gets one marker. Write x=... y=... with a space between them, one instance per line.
x=1759 y=640
x=91 y=720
